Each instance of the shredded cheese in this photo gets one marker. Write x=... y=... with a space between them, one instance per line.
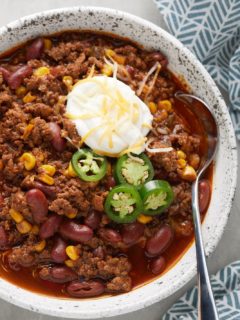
x=91 y=73
x=82 y=117
x=142 y=84
x=91 y=131
x=156 y=150
x=153 y=81
x=70 y=141
x=134 y=147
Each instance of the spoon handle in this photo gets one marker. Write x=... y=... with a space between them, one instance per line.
x=206 y=305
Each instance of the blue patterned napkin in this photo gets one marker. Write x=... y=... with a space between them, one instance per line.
x=211 y=29
x=226 y=288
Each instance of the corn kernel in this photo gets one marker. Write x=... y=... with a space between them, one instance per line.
x=16 y=216
x=142 y=218
x=28 y=160
x=29 y=98
x=70 y=171
x=162 y=116
x=152 y=106
x=21 y=91
x=182 y=163
x=165 y=105
x=181 y=154
x=35 y=229
x=27 y=131
x=71 y=215
x=68 y=81
x=119 y=59
x=194 y=160
x=42 y=71
x=62 y=99
x=109 y=52
x=46 y=179
x=47 y=44
x=48 y=169
x=1 y=165
x=69 y=263
x=40 y=246
x=189 y=173
x=72 y=252
x=107 y=70
x=24 y=227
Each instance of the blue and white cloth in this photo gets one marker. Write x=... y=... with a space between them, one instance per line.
x=211 y=29
x=226 y=288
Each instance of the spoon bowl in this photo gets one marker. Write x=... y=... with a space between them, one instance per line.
x=206 y=304
x=202 y=111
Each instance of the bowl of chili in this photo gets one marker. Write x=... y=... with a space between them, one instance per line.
x=138 y=190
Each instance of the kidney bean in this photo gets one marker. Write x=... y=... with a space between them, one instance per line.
x=49 y=191
x=3 y=237
x=110 y=235
x=38 y=204
x=99 y=252
x=110 y=182
x=157 y=265
x=58 y=253
x=5 y=73
x=92 y=220
x=75 y=232
x=159 y=242
x=60 y=274
x=132 y=232
x=35 y=49
x=85 y=289
x=15 y=79
x=50 y=226
x=57 y=141
x=204 y=195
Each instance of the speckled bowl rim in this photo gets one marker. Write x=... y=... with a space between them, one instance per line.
x=154 y=291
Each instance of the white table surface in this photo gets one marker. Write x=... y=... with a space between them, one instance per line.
x=228 y=248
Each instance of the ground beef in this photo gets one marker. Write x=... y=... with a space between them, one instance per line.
x=182 y=199
x=186 y=142
x=119 y=284
x=13 y=171
x=26 y=256
x=21 y=257
x=75 y=196
x=19 y=203
x=92 y=266
x=98 y=201
x=62 y=207
x=39 y=110
x=71 y=131
x=40 y=133
x=5 y=101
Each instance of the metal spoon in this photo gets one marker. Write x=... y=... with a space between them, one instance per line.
x=206 y=305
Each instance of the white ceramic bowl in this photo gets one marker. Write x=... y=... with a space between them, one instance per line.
x=182 y=62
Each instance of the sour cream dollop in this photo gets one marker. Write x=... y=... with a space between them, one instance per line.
x=109 y=117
